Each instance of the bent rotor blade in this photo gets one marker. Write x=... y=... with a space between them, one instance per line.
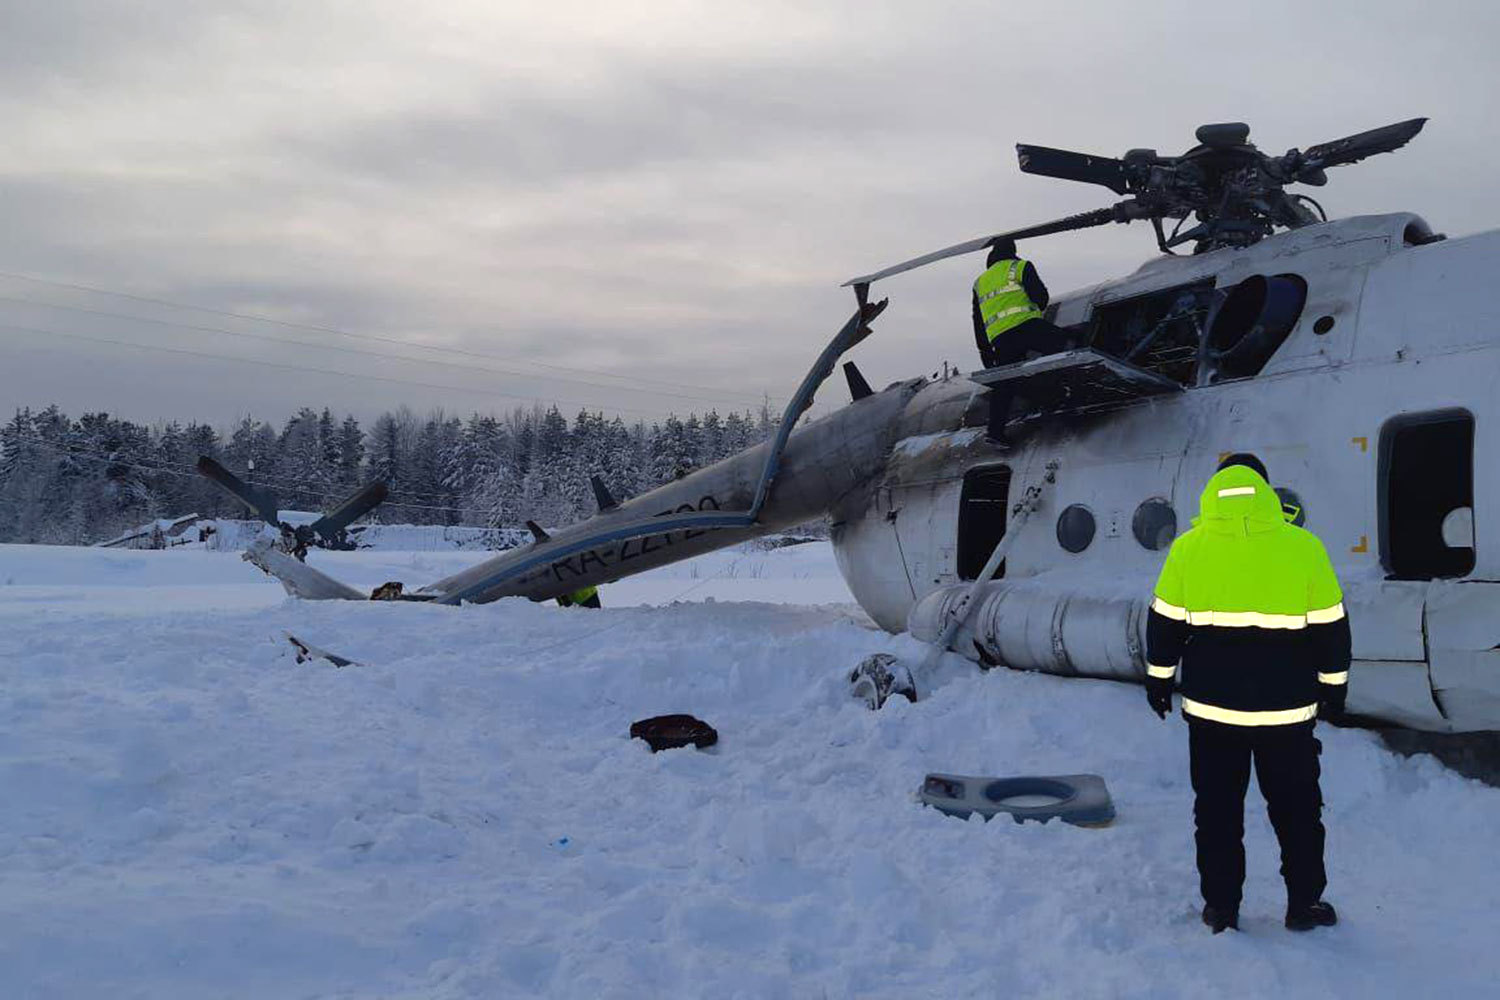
x=1064 y=164
x=351 y=510
x=262 y=502
x=1084 y=220
x=1353 y=148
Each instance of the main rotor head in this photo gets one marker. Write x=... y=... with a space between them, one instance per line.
x=1235 y=194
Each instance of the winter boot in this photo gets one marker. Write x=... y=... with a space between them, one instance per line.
x=1306 y=916
x=1218 y=919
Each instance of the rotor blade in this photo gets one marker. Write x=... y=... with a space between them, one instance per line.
x=1353 y=148
x=351 y=510
x=1067 y=165
x=262 y=502
x=1084 y=220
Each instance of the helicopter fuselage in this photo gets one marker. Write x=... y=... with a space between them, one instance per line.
x=1373 y=413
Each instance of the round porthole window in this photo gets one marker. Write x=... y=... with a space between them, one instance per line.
x=1291 y=506
x=1075 y=528
x=1154 y=524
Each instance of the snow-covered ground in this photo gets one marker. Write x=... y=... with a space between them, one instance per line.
x=187 y=812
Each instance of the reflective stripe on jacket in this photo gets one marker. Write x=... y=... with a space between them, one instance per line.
x=1003 y=302
x=1251 y=608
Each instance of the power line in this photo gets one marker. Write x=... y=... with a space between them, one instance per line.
x=250 y=317
x=324 y=371
x=354 y=350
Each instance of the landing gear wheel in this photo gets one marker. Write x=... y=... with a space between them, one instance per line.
x=878 y=677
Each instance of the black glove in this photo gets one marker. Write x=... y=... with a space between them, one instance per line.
x=1159 y=695
x=1331 y=701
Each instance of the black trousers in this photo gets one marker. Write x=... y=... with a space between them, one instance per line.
x=1286 y=768
x=1035 y=336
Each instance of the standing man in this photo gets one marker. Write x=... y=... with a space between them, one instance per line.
x=1251 y=608
x=1009 y=299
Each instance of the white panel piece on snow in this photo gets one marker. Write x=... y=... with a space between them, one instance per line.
x=1079 y=799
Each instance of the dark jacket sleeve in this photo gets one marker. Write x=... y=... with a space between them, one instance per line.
x=1328 y=622
x=1166 y=623
x=980 y=340
x=1331 y=644
x=1036 y=289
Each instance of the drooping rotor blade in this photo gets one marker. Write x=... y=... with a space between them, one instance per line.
x=1084 y=220
x=1353 y=148
x=351 y=510
x=1067 y=165
x=262 y=502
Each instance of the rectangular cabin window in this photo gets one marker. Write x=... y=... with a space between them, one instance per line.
x=984 y=507
x=1427 y=495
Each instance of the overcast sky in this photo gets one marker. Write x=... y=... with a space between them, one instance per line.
x=656 y=199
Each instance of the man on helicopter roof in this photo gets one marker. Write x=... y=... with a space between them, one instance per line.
x=1009 y=300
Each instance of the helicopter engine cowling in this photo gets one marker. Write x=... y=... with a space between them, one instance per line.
x=1253 y=320
x=1029 y=625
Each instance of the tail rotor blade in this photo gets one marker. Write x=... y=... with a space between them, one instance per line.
x=1067 y=165
x=351 y=510
x=261 y=501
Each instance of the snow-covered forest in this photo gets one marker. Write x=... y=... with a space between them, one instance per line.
x=77 y=481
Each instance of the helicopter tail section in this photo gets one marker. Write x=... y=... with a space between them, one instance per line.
x=796 y=476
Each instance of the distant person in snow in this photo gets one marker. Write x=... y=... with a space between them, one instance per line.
x=1248 y=605
x=588 y=597
x=1009 y=299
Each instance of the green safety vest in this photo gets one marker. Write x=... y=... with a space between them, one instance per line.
x=577 y=596
x=1244 y=565
x=1003 y=302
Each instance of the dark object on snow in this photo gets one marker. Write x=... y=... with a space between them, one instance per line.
x=391 y=590
x=667 y=732
x=1305 y=918
x=307 y=651
x=1219 y=921
x=1079 y=799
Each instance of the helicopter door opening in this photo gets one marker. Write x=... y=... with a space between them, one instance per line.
x=1427 y=495
x=1161 y=331
x=983 y=510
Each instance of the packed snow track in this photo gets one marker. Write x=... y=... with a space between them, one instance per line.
x=191 y=813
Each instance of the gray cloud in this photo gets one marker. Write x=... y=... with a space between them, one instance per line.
x=665 y=192
x=523 y=136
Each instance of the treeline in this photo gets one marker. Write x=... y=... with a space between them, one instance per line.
x=74 y=482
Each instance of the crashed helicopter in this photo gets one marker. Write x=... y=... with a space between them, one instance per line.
x=1357 y=357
